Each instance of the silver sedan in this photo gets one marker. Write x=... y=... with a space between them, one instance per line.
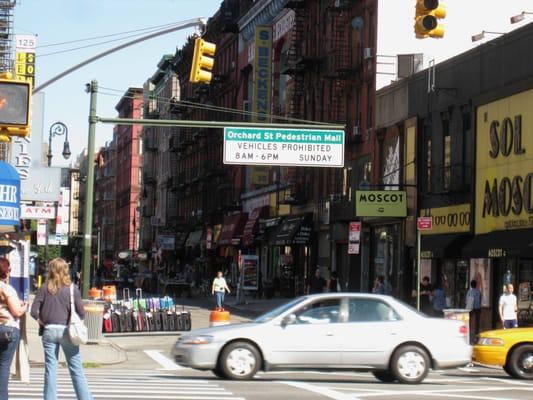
x=339 y=331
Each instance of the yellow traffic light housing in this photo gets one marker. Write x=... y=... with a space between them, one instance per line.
x=15 y=103
x=202 y=61
x=428 y=14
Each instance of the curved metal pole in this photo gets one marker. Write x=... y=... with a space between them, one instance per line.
x=186 y=24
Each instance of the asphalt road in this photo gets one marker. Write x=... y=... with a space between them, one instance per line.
x=150 y=373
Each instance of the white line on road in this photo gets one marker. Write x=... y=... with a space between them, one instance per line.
x=332 y=394
x=165 y=362
x=510 y=381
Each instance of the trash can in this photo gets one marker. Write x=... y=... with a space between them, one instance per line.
x=459 y=314
x=94 y=317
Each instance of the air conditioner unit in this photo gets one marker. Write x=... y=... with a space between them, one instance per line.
x=246 y=105
x=368 y=52
x=356 y=131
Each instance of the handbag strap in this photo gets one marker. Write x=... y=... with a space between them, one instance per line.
x=72 y=309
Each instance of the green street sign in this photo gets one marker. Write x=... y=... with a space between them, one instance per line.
x=287 y=147
x=380 y=203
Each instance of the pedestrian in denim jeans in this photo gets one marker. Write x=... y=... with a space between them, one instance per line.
x=11 y=308
x=219 y=289
x=51 y=309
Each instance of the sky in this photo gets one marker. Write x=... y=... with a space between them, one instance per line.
x=465 y=18
x=57 y=21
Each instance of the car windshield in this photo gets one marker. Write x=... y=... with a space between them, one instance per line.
x=279 y=310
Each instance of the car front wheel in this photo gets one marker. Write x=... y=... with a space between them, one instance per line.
x=218 y=373
x=410 y=364
x=240 y=361
x=520 y=364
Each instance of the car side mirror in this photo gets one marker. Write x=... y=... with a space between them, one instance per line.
x=288 y=320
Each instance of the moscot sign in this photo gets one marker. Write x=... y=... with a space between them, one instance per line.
x=504 y=164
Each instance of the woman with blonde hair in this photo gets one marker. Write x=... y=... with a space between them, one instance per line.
x=51 y=309
x=11 y=308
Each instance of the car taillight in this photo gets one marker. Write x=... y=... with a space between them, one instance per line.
x=462 y=330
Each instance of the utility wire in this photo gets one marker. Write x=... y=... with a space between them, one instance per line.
x=109 y=35
x=97 y=44
x=208 y=107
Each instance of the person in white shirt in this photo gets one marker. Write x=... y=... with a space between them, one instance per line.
x=219 y=289
x=508 y=308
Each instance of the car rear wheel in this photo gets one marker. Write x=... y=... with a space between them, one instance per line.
x=240 y=361
x=520 y=362
x=384 y=376
x=410 y=364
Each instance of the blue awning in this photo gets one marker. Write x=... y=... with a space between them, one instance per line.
x=9 y=195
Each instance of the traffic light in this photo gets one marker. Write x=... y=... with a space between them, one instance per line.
x=202 y=61
x=15 y=103
x=428 y=13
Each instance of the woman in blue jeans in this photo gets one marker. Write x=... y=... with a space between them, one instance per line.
x=51 y=309
x=11 y=308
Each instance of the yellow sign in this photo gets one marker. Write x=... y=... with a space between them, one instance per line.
x=25 y=66
x=504 y=164
x=452 y=219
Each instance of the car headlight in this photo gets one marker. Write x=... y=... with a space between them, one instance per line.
x=487 y=341
x=201 y=339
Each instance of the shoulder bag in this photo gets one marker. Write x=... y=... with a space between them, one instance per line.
x=77 y=330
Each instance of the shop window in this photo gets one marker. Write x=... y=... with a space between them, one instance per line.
x=369 y=310
x=386 y=256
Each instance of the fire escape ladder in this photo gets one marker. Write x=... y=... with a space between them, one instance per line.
x=295 y=62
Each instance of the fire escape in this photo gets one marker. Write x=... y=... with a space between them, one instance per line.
x=295 y=62
x=338 y=68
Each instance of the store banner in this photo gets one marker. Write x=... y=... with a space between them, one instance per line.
x=41 y=232
x=250 y=270
x=380 y=203
x=19 y=259
x=9 y=195
x=452 y=219
x=504 y=166
x=261 y=103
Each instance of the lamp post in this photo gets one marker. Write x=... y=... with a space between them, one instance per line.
x=481 y=36
x=520 y=17
x=57 y=129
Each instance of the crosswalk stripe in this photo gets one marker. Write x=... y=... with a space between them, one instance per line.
x=108 y=385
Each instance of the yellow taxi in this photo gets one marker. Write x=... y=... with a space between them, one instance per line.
x=511 y=349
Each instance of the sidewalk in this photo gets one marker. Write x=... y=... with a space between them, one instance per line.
x=94 y=355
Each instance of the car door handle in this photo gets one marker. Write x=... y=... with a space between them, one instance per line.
x=329 y=334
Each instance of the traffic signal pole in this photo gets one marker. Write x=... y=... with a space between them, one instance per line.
x=92 y=88
x=88 y=209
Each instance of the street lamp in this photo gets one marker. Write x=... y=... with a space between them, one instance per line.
x=520 y=17
x=58 y=129
x=481 y=36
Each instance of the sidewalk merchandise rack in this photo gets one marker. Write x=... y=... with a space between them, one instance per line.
x=139 y=314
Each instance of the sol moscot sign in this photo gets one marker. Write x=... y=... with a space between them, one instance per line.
x=380 y=203
x=284 y=147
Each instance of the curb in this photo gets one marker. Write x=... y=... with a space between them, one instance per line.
x=122 y=357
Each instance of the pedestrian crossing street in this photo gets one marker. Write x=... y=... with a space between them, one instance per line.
x=110 y=384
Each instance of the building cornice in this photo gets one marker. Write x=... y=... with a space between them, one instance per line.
x=263 y=12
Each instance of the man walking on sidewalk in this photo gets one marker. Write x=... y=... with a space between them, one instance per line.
x=219 y=289
x=508 y=308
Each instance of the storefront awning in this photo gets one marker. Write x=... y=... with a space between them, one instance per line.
x=232 y=229
x=194 y=238
x=443 y=246
x=517 y=242
x=252 y=225
x=295 y=230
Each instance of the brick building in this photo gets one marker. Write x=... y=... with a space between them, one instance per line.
x=128 y=172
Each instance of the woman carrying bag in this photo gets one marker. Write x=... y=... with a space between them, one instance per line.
x=52 y=309
x=11 y=309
